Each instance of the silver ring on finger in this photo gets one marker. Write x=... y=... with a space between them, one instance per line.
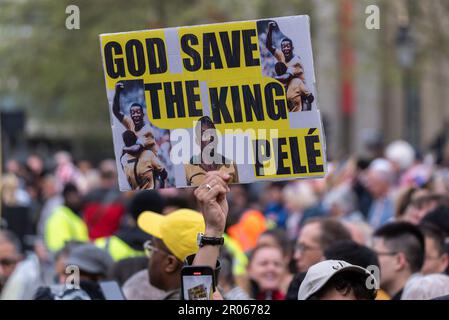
x=209 y=187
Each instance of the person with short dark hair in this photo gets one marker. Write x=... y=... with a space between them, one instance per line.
x=174 y=203
x=356 y=254
x=400 y=248
x=353 y=253
x=439 y=217
x=436 y=258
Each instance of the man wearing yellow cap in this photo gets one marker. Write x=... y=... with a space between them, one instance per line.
x=174 y=239
x=175 y=236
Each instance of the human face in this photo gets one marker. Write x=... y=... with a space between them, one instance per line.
x=419 y=206
x=434 y=261
x=308 y=250
x=156 y=253
x=387 y=263
x=267 y=268
x=136 y=114
x=270 y=241
x=9 y=257
x=286 y=48
x=376 y=185
x=208 y=136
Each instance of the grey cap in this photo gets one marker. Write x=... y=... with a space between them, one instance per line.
x=90 y=259
x=319 y=274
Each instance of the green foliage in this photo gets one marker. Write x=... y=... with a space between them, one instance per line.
x=57 y=73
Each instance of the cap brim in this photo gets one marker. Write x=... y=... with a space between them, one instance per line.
x=86 y=266
x=150 y=222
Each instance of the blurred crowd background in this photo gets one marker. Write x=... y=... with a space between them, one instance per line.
x=275 y=231
x=384 y=101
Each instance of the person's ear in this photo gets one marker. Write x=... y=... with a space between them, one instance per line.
x=346 y=291
x=172 y=264
x=444 y=262
x=400 y=261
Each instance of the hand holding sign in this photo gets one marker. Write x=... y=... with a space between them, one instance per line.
x=212 y=198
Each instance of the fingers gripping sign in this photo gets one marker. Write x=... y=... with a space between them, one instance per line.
x=211 y=196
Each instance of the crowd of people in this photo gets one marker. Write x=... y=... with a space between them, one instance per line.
x=375 y=228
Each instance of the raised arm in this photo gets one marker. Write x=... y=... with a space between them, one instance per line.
x=116 y=103
x=211 y=195
x=269 y=41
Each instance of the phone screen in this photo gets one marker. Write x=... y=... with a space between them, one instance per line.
x=111 y=290
x=197 y=287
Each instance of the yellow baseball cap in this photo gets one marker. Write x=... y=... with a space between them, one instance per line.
x=178 y=230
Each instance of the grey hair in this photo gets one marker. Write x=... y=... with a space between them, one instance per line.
x=426 y=287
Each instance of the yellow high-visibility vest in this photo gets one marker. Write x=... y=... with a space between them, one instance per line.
x=240 y=258
x=117 y=248
x=62 y=226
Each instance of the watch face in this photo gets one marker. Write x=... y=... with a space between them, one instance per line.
x=199 y=236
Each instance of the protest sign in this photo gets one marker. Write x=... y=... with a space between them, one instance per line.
x=236 y=97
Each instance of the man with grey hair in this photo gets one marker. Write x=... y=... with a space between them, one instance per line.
x=379 y=181
x=426 y=287
x=340 y=203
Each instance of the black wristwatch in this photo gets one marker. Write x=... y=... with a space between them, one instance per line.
x=202 y=240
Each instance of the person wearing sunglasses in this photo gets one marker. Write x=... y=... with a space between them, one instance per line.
x=173 y=241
